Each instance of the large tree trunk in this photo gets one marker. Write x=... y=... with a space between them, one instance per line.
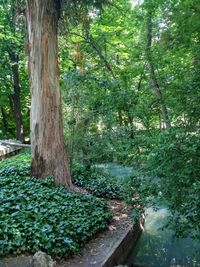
x=153 y=78
x=47 y=140
x=16 y=97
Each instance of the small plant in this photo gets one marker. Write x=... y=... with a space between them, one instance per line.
x=136 y=215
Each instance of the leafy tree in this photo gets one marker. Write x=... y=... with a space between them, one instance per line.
x=14 y=87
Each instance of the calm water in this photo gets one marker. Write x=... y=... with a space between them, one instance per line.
x=117 y=170
x=157 y=247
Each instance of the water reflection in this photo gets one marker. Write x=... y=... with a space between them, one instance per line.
x=158 y=248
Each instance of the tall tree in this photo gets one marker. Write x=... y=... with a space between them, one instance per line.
x=47 y=140
x=15 y=96
x=12 y=41
x=154 y=80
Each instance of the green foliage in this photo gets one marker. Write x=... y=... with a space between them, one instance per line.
x=97 y=181
x=140 y=189
x=175 y=159
x=12 y=44
x=16 y=166
x=169 y=175
x=136 y=215
x=36 y=215
x=110 y=109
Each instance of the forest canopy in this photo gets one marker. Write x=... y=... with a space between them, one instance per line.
x=130 y=90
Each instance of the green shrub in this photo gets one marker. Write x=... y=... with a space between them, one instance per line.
x=140 y=189
x=97 y=181
x=36 y=215
x=175 y=159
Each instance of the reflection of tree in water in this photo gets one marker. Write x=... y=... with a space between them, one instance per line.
x=157 y=248
x=153 y=250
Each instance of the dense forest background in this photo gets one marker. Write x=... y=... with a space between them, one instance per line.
x=129 y=75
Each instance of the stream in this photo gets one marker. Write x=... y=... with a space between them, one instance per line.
x=157 y=247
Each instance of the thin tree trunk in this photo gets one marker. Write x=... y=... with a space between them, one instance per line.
x=101 y=56
x=16 y=97
x=154 y=80
x=4 y=120
x=47 y=139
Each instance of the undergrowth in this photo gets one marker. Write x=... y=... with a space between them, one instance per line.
x=97 y=181
x=36 y=215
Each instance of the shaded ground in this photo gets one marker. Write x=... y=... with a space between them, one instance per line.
x=96 y=251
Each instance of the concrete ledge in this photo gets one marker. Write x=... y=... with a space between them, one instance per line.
x=112 y=247
x=21 y=261
x=122 y=249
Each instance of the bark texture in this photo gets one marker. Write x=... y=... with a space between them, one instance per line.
x=47 y=140
x=153 y=78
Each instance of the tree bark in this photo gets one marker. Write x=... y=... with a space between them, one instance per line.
x=15 y=97
x=4 y=120
x=47 y=139
x=154 y=80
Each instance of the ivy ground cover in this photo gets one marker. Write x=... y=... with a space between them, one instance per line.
x=36 y=215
